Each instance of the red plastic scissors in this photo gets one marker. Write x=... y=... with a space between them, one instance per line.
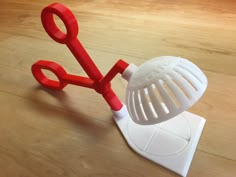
x=96 y=80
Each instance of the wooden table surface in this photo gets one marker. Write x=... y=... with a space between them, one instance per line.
x=71 y=133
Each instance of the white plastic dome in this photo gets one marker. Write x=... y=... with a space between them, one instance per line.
x=162 y=88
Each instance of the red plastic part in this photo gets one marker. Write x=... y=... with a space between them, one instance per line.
x=63 y=77
x=70 y=39
x=119 y=67
x=43 y=80
x=96 y=80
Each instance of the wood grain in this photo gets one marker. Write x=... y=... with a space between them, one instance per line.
x=71 y=133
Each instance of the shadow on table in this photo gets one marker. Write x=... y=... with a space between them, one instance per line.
x=91 y=125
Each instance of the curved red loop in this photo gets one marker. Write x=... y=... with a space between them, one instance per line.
x=51 y=66
x=66 y=16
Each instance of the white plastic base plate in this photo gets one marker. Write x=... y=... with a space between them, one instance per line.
x=170 y=144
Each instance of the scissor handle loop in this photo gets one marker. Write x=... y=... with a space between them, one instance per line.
x=44 y=80
x=66 y=16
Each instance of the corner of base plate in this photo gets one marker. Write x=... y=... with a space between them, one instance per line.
x=171 y=144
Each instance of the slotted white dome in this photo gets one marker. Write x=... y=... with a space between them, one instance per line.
x=162 y=88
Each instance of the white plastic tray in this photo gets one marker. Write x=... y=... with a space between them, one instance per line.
x=170 y=144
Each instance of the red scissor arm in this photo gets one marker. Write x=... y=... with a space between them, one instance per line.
x=104 y=86
x=79 y=80
x=119 y=67
x=63 y=77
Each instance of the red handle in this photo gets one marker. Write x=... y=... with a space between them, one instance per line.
x=63 y=77
x=70 y=38
x=46 y=82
